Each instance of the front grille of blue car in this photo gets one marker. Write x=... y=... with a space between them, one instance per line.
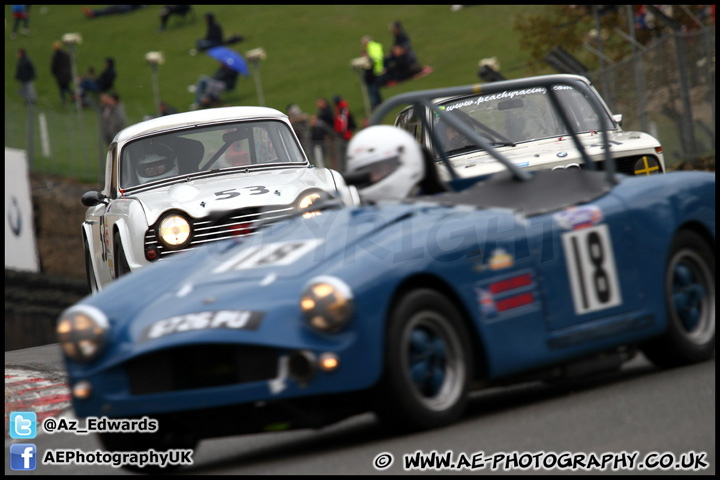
x=200 y=366
x=233 y=224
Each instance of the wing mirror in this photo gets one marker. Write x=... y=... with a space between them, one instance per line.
x=92 y=198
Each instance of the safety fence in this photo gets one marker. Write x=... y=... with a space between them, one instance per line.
x=68 y=142
x=668 y=90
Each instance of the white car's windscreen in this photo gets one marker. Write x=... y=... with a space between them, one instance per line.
x=202 y=149
x=515 y=116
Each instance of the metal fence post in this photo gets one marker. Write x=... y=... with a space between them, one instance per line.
x=31 y=131
x=687 y=133
x=639 y=76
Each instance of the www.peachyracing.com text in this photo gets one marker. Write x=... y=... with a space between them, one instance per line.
x=508 y=461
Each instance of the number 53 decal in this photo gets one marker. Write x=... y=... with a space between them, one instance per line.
x=591 y=269
x=231 y=193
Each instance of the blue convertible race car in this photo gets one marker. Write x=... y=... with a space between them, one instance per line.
x=402 y=308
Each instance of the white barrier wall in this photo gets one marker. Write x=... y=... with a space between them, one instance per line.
x=20 y=246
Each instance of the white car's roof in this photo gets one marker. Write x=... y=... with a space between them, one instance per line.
x=210 y=115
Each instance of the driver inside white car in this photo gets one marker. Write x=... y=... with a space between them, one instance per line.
x=157 y=164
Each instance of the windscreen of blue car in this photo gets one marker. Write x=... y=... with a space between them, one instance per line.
x=228 y=146
x=516 y=116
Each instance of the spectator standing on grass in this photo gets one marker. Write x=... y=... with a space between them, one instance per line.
x=325 y=112
x=322 y=130
x=169 y=10
x=214 y=35
x=21 y=13
x=61 y=68
x=344 y=124
x=25 y=74
x=112 y=113
x=401 y=39
x=400 y=36
x=300 y=124
x=374 y=52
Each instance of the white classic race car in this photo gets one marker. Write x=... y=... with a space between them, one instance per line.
x=524 y=127
x=179 y=181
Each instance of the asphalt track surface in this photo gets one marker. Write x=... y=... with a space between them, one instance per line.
x=660 y=414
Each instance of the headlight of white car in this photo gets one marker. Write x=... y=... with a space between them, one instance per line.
x=82 y=332
x=174 y=231
x=306 y=200
x=327 y=303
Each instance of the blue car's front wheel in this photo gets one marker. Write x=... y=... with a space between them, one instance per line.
x=428 y=363
x=690 y=299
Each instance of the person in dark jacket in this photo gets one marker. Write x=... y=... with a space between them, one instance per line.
x=25 y=74
x=325 y=112
x=170 y=10
x=323 y=133
x=214 y=35
x=103 y=82
x=112 y=114
x=61 y=68
x=400 y=36
x=401 y=59
x=401 y=65
x=208 y=89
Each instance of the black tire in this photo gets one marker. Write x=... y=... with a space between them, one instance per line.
x=690 y=303
x=427 y=338
x=89 y=273
x=121 y=264
x=160 y=441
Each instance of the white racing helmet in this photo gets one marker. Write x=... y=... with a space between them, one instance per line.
x=157 y=163
x=391 y=160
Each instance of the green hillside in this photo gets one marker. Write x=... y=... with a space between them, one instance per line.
x=309 y=49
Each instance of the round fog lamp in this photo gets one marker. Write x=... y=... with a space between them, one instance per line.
x=82 y=390
x=328 y=362
x=646 y=166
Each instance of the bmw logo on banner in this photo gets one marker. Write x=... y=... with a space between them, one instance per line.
x=20 y=247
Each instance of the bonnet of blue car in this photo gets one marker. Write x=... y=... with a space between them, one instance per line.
x=546 y=191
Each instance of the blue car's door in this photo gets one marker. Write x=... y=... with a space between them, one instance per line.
x=588 y=271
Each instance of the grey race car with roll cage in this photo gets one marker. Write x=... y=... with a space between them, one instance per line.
x=206 y=176
x=523 y=125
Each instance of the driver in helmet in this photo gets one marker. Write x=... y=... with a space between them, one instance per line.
x=158 y=163
x=385 y=163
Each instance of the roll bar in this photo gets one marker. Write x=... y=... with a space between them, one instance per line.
x=424 y=98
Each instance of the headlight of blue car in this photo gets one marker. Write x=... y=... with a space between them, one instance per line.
x=82 y=332
x=327 y=303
